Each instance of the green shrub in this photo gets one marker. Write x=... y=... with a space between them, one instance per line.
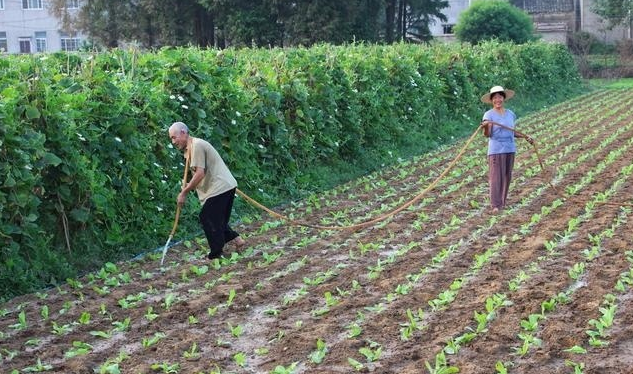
x=494 y=19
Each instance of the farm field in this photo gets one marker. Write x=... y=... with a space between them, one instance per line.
x=543 y=287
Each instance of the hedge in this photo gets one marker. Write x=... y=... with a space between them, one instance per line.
x=89 y=175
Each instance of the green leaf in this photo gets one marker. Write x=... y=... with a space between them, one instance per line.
x=576 y=349
x=31 y=112
x=9 y=181
x=80 y=214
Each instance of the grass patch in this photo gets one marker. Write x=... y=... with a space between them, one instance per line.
x=611 y=83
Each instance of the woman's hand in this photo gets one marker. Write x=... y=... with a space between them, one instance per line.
x=487 y=128
x=529 y=139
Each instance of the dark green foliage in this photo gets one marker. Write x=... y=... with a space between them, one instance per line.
x=246 y=23
x=616 y=12
x=494 y=19
x=89 y=175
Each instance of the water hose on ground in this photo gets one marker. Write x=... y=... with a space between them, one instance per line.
x=382 y=217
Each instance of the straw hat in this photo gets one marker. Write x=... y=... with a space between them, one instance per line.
x=486 y=97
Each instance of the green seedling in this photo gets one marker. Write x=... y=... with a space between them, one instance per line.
x=240 y=359
x=371 y=353
x=148 y=342
x=285 y=370
x=150 y=315
x=61 y=330
x=529 y=341
x=38 y=367
x=261 y=351
x=355 y=364
x=75 y=284
x=531 y=323
x=44 y=312
x=236 y=331
x=354 y=330
x=576 y=350
x=31 y=342
x=199 y=270
x=84 y=319
x=272 y=312
x=318 y=355
x=102 y=309
x=101 y=334
x=101 y=291
x=166 y=368
x=578 y=367
x=79 y=349
x=21 y=325
x=212 y=310
x=169 y=301
x=500 y=368
x=126 y=278
x=482 y=321
x=407 y=328
x=146 y=275
x=441 y=366
x=192 y=353
x=231 y=297
x=330 y=300
x=121 y=326
x=8 y=355
x=577 y=270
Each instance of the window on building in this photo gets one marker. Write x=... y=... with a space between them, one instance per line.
x=3 y=41
x=69 y=43
x=40 y=41
x=32 y=4
x=25 y=45
x=72 y=4
x=447 y=29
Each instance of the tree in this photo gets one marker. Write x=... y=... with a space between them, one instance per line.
x=494 y=19
x=249 y=22
x=333 y=21
x=420 y=16
x=615 y=12
x=148 y=22
x=100 y=19
x=410 y=19
x=286 y=22
x=260 y=23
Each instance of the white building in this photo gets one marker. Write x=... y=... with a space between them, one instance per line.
x=553 y=20
x=27 y=26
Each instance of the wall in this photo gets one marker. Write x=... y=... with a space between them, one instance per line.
x=594 y=24
x=23 y=24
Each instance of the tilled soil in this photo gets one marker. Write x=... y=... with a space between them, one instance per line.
x=262 y=309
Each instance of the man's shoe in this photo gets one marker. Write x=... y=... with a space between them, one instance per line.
x=212 y=256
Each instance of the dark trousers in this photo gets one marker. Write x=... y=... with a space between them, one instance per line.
x=214 y=218
x=499 y=177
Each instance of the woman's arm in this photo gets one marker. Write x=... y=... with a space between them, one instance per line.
x=487 y=126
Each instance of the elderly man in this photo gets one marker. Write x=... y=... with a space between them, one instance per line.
x=214 y=184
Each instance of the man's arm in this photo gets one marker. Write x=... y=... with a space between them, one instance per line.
x=197 y=177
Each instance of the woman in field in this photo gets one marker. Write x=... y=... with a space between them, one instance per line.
x=501 y=145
